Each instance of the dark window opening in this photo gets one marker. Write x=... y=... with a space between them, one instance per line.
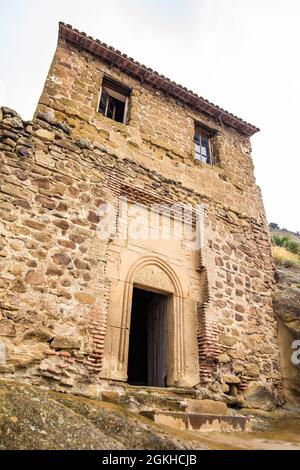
x=203 y=145
x=147 y=339
x=114 y=100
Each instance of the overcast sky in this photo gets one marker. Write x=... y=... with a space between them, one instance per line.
x=240 y=54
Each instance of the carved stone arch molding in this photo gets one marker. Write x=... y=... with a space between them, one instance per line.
x=154 y=274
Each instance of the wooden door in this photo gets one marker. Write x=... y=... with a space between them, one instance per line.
x=157 y=367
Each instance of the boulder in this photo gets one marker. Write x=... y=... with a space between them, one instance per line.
x=7 y=368
x=21 y=359
x=286 y=301
x=286 y=304
x=65 y=342
x=228 y=340
x=7 y=328
x=207 y=407
x=252 y=370
x=13 y=122
x=231 y=379
x=40 y=334
x=223 y=358
x=258 y=396
x=8 y=112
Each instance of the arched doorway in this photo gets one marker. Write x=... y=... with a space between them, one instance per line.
x=156 y=286
x=148 y=339
x=155 y=275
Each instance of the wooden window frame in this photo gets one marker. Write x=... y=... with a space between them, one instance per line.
x=200 y=131
x=113 y=88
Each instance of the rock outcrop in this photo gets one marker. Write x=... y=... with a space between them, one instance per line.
x=33 y=418
x=287 y=308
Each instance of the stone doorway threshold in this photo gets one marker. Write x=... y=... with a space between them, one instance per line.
x=189 y=392
x=178 y=408
x=144 y=398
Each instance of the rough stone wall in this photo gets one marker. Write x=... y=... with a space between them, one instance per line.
x=165 y=145
x=54 y=292
x=54 y=173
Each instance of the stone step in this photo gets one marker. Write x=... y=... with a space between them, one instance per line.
x=207 y=407
x=167 y=399
x=161 y=391
x=148 y=398
x=199 y=422
x=146 y=401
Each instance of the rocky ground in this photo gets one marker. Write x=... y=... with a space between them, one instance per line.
x=33 y=418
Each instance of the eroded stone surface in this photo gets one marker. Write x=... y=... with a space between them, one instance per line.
x=286 y=303
x=209 y=407
x=32 y=418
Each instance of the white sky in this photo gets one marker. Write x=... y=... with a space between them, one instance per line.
x=240 y=54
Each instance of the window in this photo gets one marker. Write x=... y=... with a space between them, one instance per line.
x=202 y=145
x=114 y=100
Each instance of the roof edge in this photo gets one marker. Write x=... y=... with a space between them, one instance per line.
x=145 y=74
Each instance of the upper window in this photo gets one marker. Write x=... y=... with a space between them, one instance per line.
x=203 y=146
x=114 y=100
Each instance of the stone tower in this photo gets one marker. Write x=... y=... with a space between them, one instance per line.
x=113 y=142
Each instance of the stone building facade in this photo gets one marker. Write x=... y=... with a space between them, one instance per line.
x=108 y=129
